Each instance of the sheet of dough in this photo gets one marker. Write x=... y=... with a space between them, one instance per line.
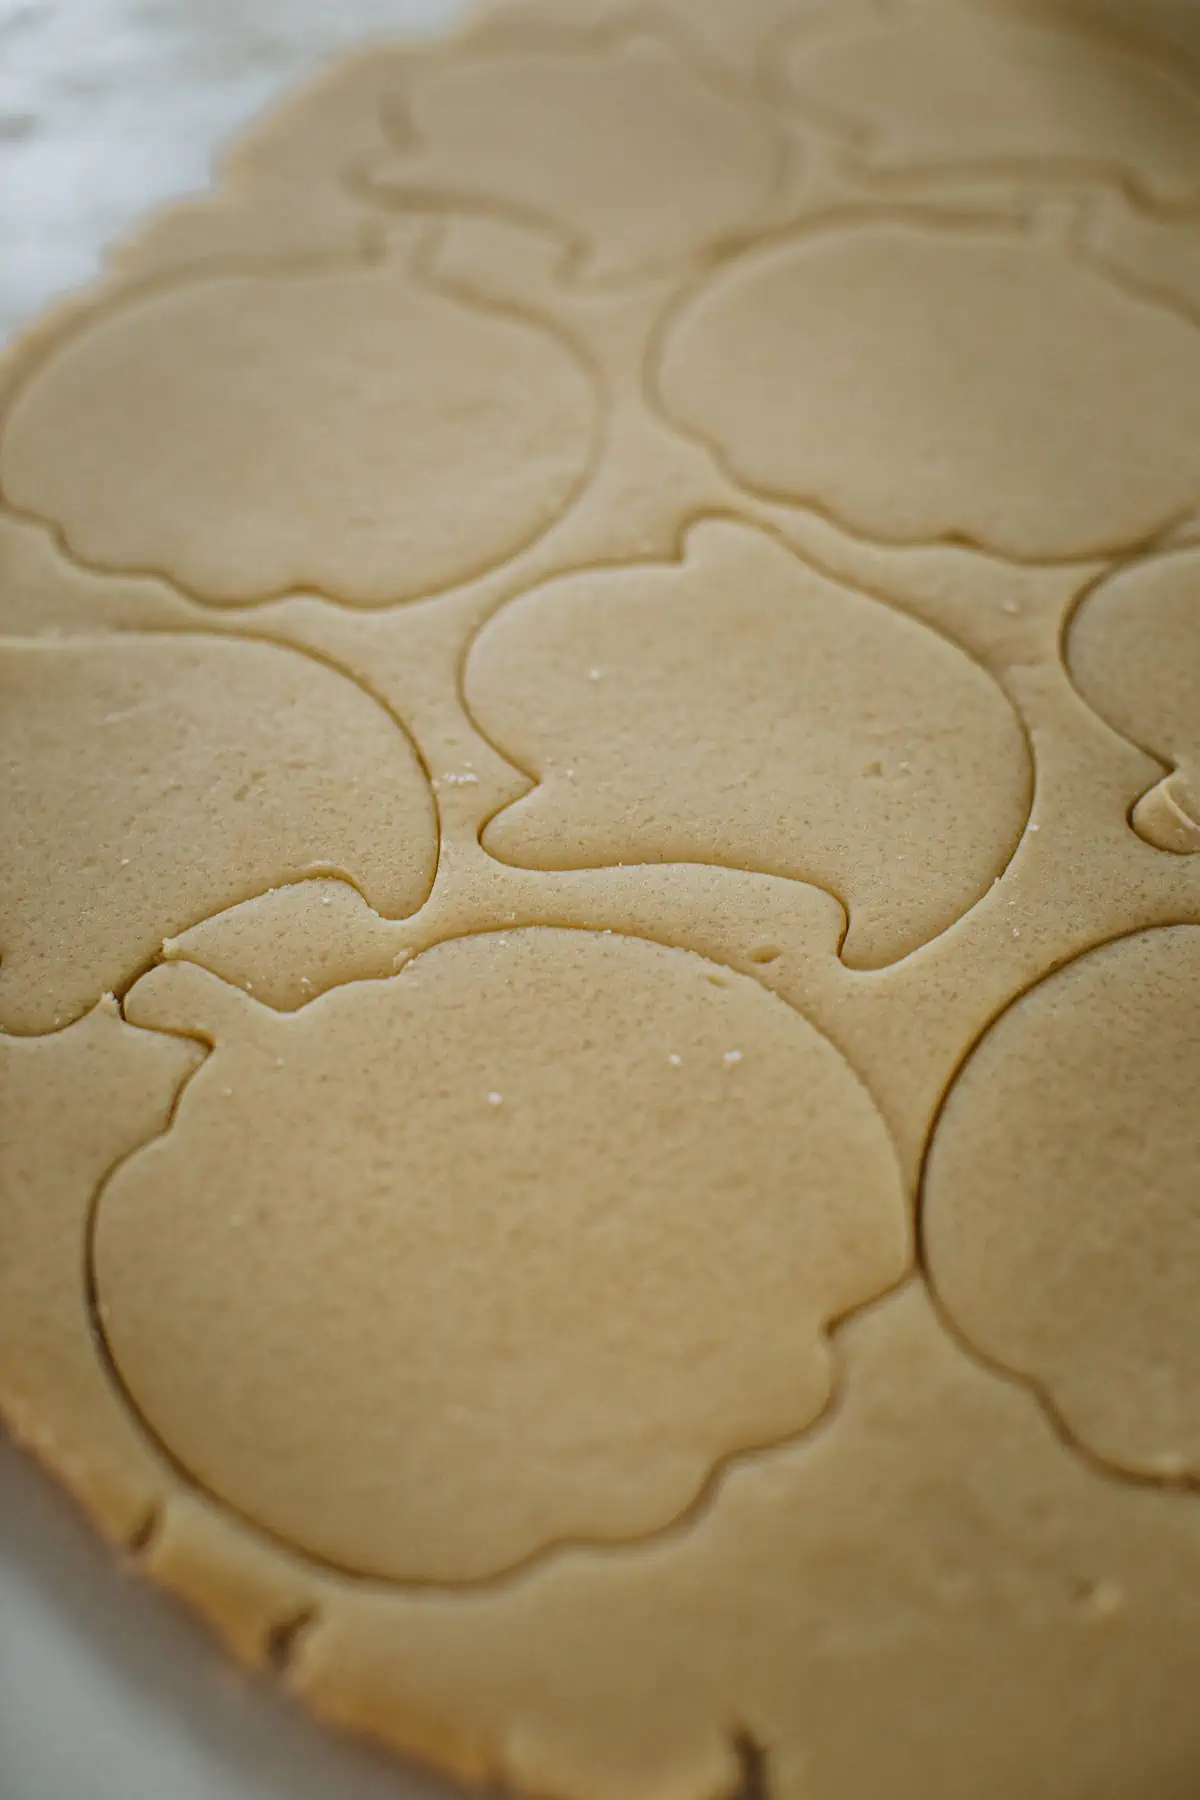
x=600 y=899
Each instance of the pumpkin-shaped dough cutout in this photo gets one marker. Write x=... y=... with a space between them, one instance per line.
x=422 y=1316
x=351 y=431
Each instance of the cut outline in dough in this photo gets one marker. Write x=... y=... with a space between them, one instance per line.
x=229 y=1002
x=586 y=40
x=290 y=1629
x=678 y=560
x=571 y=911
x=112 y=636
x=23 y=363
x=40 y=1398
x=1088 y=242
x=674 y=20
x=860 y=142
x=1020 y=224
x=1159 y=791
x=1098 y=1463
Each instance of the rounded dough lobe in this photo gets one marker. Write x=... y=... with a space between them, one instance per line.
x=508 y=1249
x=349 y=431
x=743 y=710
x=152 y=781
x=950 y=92
x=1134 y=654
x=534 y=129
x=1062 y=1200
x=921 y=384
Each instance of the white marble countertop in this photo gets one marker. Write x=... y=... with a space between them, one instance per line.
x=107 y=1690
x=110 y=106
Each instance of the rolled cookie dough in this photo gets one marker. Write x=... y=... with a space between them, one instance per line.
x=600 y=896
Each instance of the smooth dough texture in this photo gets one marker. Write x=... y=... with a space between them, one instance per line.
x=73 y=1103
x=121 y=753
x=600 y=898
x=346 y=430
x=730 y=39
x=506 y=1334
x=941 y=91
x=1134 y=653
x=983 y=367
x=1062 y=1204
x=519 y=128
x=934 y=1598
x=842 y=744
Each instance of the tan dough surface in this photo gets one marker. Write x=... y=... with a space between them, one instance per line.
x=831 y=750
x=1061 y=1221
x=559 y=1333
x=517 y=128
x=1134 y=654
x=731 y=39
x=986 y=367
x=120 y=1085
x=938 y=89
x=600 y=891
x=119 y=752
x=238 y=445
x=937 y=1551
